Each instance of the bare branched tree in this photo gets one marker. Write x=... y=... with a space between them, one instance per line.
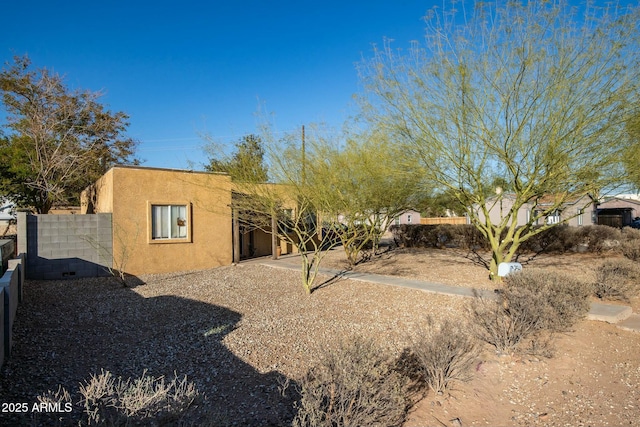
x=58 y=141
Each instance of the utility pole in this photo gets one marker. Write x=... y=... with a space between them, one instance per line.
x=304 y=160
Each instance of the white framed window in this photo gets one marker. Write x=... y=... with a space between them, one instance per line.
x=554 y=217
x=580 y=216
x=169 y=222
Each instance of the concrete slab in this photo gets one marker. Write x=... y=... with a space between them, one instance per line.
x=631 y=323
x=609 y=313
x=390 y=280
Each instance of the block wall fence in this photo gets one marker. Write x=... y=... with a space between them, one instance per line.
x=66 y=246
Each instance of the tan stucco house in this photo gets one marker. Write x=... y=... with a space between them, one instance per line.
x=168 y=220
x=164 y=220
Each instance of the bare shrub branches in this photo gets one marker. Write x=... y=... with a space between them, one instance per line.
x=355 y=385
x=107 y=400
x=617 y=280
x=531 y=305
x=445 y=353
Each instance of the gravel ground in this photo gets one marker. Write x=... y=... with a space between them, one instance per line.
x=240 y=332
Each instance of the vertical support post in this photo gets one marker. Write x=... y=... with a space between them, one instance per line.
x=236 y=235
x=274 y=237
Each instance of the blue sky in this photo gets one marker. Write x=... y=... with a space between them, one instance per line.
x=181 y=69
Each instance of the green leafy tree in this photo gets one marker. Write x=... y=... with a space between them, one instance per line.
x=632 y=159
x=57 y=141
x=292 y=206
x=366 y=185
x=533 y=94
x=247 y=162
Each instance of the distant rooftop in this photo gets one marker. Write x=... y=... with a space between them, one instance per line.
x=631 y=196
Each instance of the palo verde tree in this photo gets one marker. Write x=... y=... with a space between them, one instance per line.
x=534 y=94
x=366 y=184
x=57 y=140
x=290 y=205
x=632 y=159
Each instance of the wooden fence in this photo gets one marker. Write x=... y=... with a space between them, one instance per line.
x=444 y=220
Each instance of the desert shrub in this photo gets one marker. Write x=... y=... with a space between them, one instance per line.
x=617 y=279
x=501 y=327
x=354 y=385
x=630 y=245
x=561 y=299
x=599 y=238
x=107 y=400
x=559 y=238
x=397 y=234
x=530 y=304
x=445 y=354
x=472 y=237
x=464 y=236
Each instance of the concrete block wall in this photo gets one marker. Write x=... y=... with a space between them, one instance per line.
x=18 y=264
x=11 y=285
x=7 y=249
x=2 y=347
x=66 y=246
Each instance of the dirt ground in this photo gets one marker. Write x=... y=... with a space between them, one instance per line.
x=593 y=379
x=241 y=332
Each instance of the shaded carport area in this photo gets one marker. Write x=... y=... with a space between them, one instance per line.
x=615 y=217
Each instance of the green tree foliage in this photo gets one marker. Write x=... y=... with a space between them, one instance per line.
x=57 y=141
x=531 y=94
x=441 y=204
x=247 y=162
x=632 y=159
x=365 y=184
x=291 y=205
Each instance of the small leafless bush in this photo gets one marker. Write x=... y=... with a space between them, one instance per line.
x=617 y=279
x=355 y=385
x=561 y=299
x=445 y=354
x=531 y=304
x=599 y=238
x=501 y=327
x=111 y=401
x=630 y=245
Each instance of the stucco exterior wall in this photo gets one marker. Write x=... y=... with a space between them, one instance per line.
x=616 y=203
x=129 y=193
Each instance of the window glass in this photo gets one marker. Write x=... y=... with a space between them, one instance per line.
x=168 y=221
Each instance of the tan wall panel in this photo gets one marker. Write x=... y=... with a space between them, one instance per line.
x=209 y=242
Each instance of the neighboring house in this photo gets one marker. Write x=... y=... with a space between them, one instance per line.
x=7 y=214
x=7 y=219
x=407 y=217
x=618 y=211
x=574 y=212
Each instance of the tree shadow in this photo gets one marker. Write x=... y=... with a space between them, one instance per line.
x=101 y=325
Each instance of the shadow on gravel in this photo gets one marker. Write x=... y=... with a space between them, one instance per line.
x=67 y=331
